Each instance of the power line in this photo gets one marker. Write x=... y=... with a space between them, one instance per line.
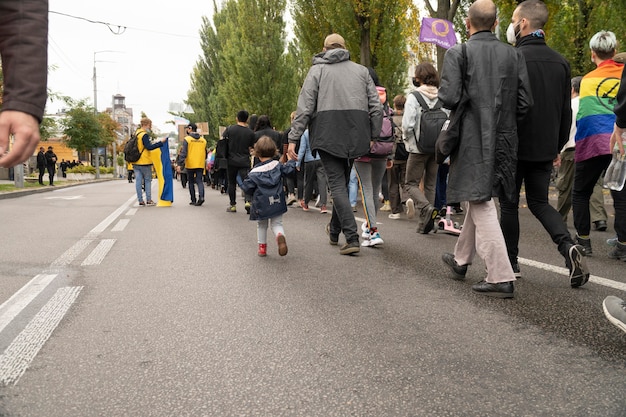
x=120 y=29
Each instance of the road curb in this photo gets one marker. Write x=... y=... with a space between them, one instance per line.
x=21 y=193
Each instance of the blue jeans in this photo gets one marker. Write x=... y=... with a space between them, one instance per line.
x=143 y=173
x=338 y=174
x=353 y=187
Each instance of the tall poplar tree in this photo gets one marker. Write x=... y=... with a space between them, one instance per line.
x=375 y=32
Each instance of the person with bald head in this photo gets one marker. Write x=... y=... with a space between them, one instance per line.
x=493 y=75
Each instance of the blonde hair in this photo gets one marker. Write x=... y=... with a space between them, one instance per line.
x=265 y=147
x=145 y=122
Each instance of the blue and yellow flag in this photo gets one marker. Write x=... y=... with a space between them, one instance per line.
x=163 y=166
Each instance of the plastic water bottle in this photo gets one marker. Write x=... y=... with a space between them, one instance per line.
x=616 y=172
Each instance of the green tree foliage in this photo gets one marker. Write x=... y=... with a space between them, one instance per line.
x=84 y=130
x=47 y=128
x=244 y=65
x=571 y=25
x=376 y=33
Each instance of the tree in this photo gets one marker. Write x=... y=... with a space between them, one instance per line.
x=375 y=31
x=244 y=64
x=83 y=130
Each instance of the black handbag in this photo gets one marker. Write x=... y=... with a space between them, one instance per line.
x=448 y=140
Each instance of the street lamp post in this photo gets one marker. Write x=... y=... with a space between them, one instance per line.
x=95 y=103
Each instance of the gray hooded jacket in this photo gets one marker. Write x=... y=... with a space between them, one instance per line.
x=340 y=105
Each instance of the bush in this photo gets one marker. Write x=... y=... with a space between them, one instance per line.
x=106 y=170
x=82 y=169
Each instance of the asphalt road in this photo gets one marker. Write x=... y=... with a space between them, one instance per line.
x=109 y=309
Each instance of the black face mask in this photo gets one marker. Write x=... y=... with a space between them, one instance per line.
x=415 y=82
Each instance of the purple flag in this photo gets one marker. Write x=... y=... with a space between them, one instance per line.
x=438 y=31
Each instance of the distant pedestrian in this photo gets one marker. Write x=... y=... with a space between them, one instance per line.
x=240 y=143
x=339 y=103
x=143 y=166
x=265 y=183
x=51 y=164
x=41 y=164
x=192 y=156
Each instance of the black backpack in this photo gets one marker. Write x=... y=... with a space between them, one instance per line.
x=131 y=149
x=431 y=122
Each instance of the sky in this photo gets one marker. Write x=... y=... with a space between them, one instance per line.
x=149 y=63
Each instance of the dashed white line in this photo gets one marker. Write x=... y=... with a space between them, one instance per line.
x=120 y=225
x=18 y=301
x=20 y=353
x=97 y=255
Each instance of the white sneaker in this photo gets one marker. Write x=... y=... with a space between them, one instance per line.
x=365 y=231
x=410 y=208
x=374 y=240
x=394 y=216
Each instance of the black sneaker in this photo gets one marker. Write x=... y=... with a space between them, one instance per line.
x=618 y=252
x=199 y=203
x=585 y=243
x=428 y=218
x=334 y=240
x=575 y=262
x=350 y=248
x=498 y=290
x=600 y=225
x=459 y=271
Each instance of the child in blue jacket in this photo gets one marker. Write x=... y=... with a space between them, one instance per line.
x=265 y=184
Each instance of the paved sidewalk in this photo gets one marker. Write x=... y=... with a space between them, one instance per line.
x=45 y=188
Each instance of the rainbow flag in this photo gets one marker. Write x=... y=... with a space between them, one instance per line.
x=595 y=118
x=163 y=166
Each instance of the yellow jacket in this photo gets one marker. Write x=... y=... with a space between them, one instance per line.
x=145 y=158
x=195 y=156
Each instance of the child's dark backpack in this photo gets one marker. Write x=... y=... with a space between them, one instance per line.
x=431 y=122
x=131 y=149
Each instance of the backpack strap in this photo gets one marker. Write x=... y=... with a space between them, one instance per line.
x=423 y=103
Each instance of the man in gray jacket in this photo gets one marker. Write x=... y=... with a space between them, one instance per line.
x=340 y=106
x=496 y=81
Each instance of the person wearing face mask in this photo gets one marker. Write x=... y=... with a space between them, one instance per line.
x=542 y=134
x=143 y=166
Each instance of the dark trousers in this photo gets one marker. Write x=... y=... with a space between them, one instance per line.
x=536 y=179
x=315 y=170
x=195 y=178
x=619 y=203
x=338 y=175
x=396 y=175
x=42 y=170
x=585 y=178
x=232 y=182
x=51 y=171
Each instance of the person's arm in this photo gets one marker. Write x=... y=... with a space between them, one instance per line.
x=24 y=49
x=149 y=145
x=304 y=144
x=182 y=155
x=307 y=105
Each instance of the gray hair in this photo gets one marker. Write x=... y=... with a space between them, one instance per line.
x=603 y=41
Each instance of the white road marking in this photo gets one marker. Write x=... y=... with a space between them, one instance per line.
x=131 y=211
x=564 y=271
x=21 y=352
x=106 y=222
x=72 y=252
x=121 y=225
x=97 y=255
x=71 y=197
x=18 y=301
